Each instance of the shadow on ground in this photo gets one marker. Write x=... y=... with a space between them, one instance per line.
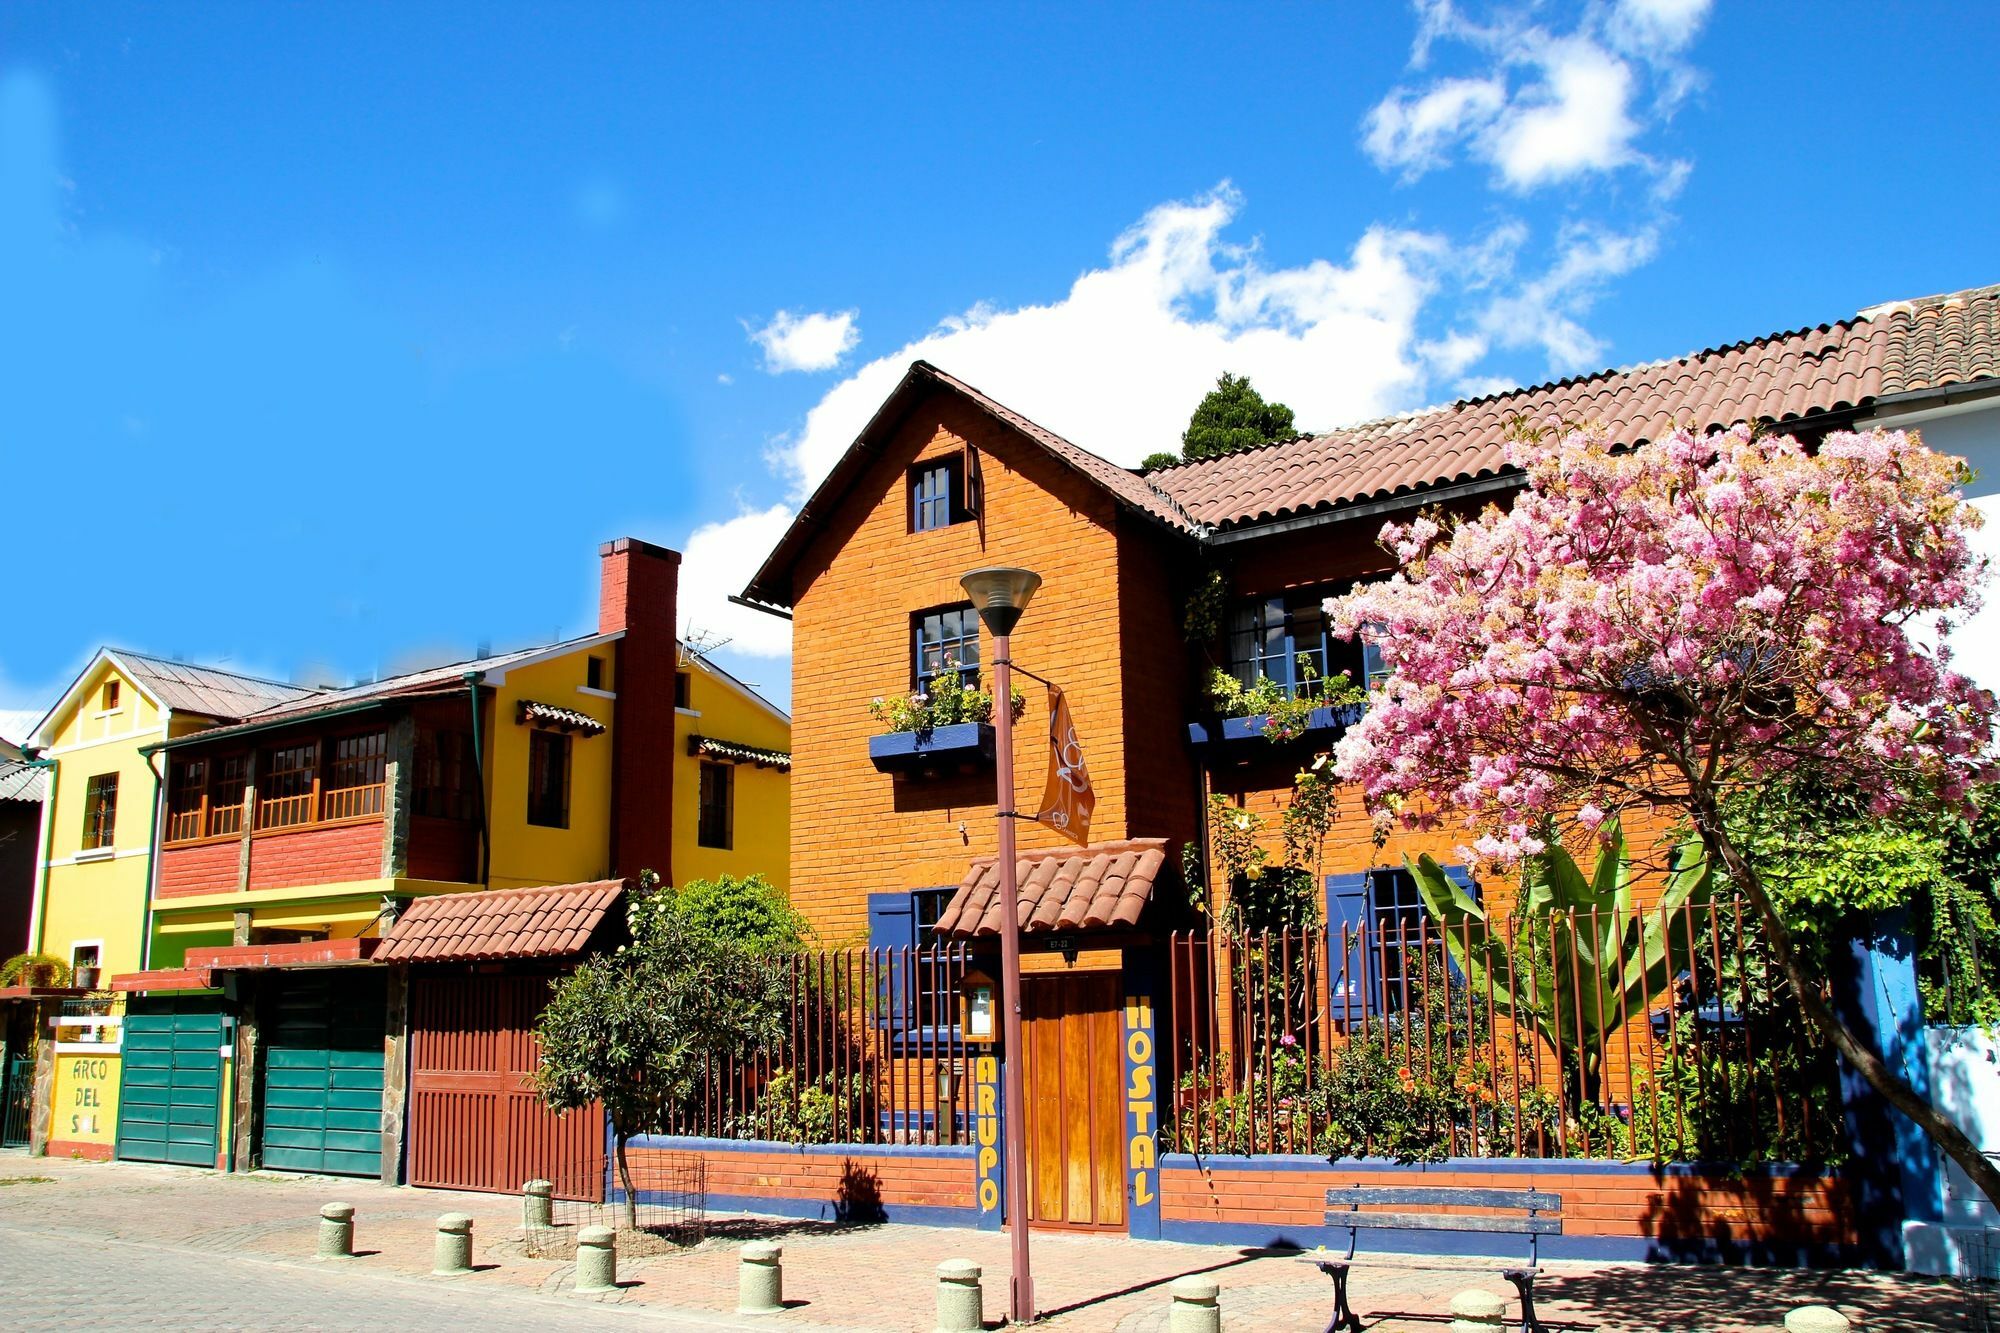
x=1675 y=1296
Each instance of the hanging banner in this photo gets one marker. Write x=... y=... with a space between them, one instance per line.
x=1067 y=799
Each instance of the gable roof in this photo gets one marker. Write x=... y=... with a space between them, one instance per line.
x=182 y=687
x=1822 y=375
x=772 y=583
x=437 y=680
x=1826 y=371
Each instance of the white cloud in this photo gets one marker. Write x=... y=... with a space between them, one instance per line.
x=1415 y=131
x=1575 y=119
x=806 y=342
x=1119 y=362
x=1549 y=107
x=1548 y=309
x=719 y=560
x=1656 y=26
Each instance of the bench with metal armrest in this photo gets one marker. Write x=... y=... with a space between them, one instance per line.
x=1539 y=1216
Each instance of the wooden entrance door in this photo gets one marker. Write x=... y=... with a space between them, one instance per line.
x=1074 y=1078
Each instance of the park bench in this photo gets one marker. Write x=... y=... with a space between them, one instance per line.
x=1539 y=1216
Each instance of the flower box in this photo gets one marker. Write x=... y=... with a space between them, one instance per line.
x=962 y=744
x=1323 y=726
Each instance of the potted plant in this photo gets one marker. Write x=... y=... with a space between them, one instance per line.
x=947 y=722
x=34 y=969
x=1268 y=709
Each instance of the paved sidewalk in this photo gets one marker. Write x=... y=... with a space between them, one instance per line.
x=125 y=1245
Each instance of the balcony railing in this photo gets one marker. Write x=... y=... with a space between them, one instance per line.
x=307 y=808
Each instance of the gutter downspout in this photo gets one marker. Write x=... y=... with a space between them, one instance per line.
x=48 y=842
x=472 y=679
x=152 y=856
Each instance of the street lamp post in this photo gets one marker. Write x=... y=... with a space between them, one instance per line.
x=1000 y=595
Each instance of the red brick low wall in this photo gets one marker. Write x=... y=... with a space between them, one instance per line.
x=857 y=1183
x=329 y=854
x=1610 y=1209
x=201 y=867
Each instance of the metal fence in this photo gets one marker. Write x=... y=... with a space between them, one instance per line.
x=871 y=1053
x=1666 y=1035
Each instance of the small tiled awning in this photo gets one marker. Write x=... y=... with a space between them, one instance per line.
x=562 y=719
x=500 y=923
x=1084 y=888
x=708 y=747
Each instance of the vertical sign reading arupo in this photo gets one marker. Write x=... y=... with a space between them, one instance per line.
x=990 y=1174
x=1142 y=1174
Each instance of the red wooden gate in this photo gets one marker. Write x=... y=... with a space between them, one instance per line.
x=475 y=1121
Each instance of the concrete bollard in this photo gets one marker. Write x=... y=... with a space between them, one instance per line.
x=1477 y=1311
x=453 y=1254
x=538 y=1204
x=760 y=1281
x=1196 y=1307
x=336 y=1231
x=1816 y=1319
x=961 y=1306
x=596 y=1260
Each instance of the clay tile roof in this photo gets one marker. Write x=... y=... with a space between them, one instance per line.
x=500 y=923
x=563 y=719
x=1081 y=888
x=736 y=752
x=1782 y=378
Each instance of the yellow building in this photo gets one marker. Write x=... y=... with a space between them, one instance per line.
x=103 y=795
x=733 y=810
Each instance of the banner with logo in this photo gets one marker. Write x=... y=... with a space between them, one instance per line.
x=1067 y=799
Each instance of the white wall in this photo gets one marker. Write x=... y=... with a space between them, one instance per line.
x=1973 y=433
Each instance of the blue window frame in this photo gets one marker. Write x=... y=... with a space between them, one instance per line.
x=946 y=639
x=1372 y=918
x=937 y=494
x=1269 y=635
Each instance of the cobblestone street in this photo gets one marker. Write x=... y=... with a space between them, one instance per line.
x=126 y=1246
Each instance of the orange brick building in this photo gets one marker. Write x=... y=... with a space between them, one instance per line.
x=887 y=831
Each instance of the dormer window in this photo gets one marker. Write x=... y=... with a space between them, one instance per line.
x=937 y=494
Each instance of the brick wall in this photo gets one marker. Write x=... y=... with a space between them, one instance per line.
x=329 y=855
x=203 y=867
x=862 y=1183
x=638 y=592
x=1610 y=1209
x=857 y=831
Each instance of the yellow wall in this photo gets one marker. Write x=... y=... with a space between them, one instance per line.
x=102 y=897
x=526 y=854
x=83 y=1104
x=763 y=820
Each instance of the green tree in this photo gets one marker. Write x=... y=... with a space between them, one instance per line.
x=1832 y=862
x=637 y=1029
x=1154 y=462
x=1234 y=416
x=748 y=909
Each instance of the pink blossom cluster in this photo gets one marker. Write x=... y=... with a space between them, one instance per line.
x=1664 y=624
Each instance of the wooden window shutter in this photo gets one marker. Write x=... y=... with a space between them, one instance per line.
x=1349 y=959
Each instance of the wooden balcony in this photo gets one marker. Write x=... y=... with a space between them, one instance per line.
x=307 y=809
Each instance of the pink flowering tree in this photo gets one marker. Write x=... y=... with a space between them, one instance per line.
x=1670 y=627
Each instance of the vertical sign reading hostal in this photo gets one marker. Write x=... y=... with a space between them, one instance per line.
x=1142 y=1173
x=991 y=1172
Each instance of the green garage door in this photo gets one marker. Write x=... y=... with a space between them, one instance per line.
x=323 y=1073
x=169 y=1102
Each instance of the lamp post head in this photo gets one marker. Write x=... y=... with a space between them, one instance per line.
x=1000 y=595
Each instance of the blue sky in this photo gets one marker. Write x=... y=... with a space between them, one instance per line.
x=333 y=339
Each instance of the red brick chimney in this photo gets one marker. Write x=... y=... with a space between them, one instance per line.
x=637 y=591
